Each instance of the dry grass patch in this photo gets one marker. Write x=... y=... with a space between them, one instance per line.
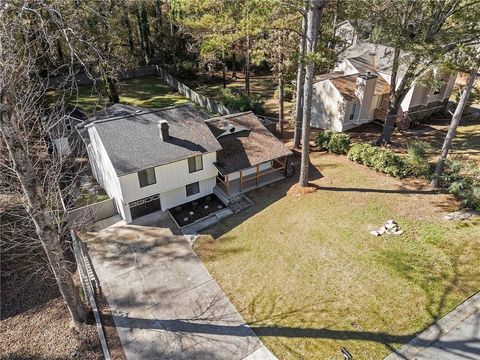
x=309 y=278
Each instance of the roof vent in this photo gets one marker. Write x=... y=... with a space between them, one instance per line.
x=163 y=128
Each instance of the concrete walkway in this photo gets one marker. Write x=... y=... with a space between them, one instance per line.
x=456 y=336
x=165 y=304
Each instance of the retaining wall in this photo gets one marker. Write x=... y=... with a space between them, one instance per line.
x=93 y=212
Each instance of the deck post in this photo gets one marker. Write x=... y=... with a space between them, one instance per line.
x=228 y=184
x=241 y=180
x=256 y=176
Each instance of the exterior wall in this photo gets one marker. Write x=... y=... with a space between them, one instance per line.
x=364 y=91
x=103 y=170
x=178 y=195
x=170 y=184
x=249 y=171
x=328 y=107
x=169 y=176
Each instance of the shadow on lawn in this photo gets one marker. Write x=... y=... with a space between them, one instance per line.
x=262 y=197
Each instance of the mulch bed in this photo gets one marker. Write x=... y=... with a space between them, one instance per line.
x=197 y=207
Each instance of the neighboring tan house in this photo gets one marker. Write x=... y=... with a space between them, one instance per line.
x=149 y=160
x=356 y=92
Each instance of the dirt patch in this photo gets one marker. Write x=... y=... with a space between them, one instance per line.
x=296 y=189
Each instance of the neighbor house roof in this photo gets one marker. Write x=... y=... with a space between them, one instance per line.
x=131 y=135
x=245 y=142
x=378 y=57
x=346 y=84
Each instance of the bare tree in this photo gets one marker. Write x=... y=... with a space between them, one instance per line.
x=452 y=129
x=313 y=18
x=28 y=111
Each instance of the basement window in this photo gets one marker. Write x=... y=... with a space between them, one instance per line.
x=193 y=188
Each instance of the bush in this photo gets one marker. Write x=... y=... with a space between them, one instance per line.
x=462 y=180
x=241 y=101
x=380 y=159
x=356 y=152
x=416 y=161
x=337 y=143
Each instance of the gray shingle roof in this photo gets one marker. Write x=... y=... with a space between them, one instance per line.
x=131 y=136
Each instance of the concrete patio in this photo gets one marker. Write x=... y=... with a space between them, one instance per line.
x=164 y=302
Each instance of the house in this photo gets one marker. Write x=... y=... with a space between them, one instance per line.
x=63 y=137
x=357 y=90
x=149 y=160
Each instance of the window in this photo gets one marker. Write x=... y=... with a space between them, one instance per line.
x=352 y=112
x=147 y=177
x=195 y=164
x=193 y=188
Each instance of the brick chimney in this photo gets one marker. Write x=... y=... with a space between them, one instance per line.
x=163 y=129
x=364 y=90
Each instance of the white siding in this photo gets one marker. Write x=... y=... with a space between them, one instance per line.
x=328 y=106
x=169 y=177
x=103 y=170
x=178 y=196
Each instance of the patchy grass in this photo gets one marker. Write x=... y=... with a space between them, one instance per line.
x=148 y=91
x=309 y=278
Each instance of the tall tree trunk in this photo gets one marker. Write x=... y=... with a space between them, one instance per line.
x=452 y=129
x=234 y=65
x=299 y=86
x=224 y=70
x=174 y=46
x=387 y=131
x=45 y=225
x=281 y=86
x=126 y=22
x=143 y=30
x=313 y=17
x=112 y=91
x=158 y=26
x=247 y=66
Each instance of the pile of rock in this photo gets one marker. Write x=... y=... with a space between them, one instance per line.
x=390 y=228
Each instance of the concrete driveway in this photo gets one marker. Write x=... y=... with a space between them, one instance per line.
x=165 y=304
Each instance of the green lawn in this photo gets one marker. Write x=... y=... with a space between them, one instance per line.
x=308 y=277
x=147 y=91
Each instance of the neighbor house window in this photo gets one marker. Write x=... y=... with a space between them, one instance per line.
x=195 y=164
x=193 y=188
x=147 y=177
x=352 y=112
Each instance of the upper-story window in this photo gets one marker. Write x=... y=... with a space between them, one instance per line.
x=146 y=177
x=195 y=164
x=352 y=112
